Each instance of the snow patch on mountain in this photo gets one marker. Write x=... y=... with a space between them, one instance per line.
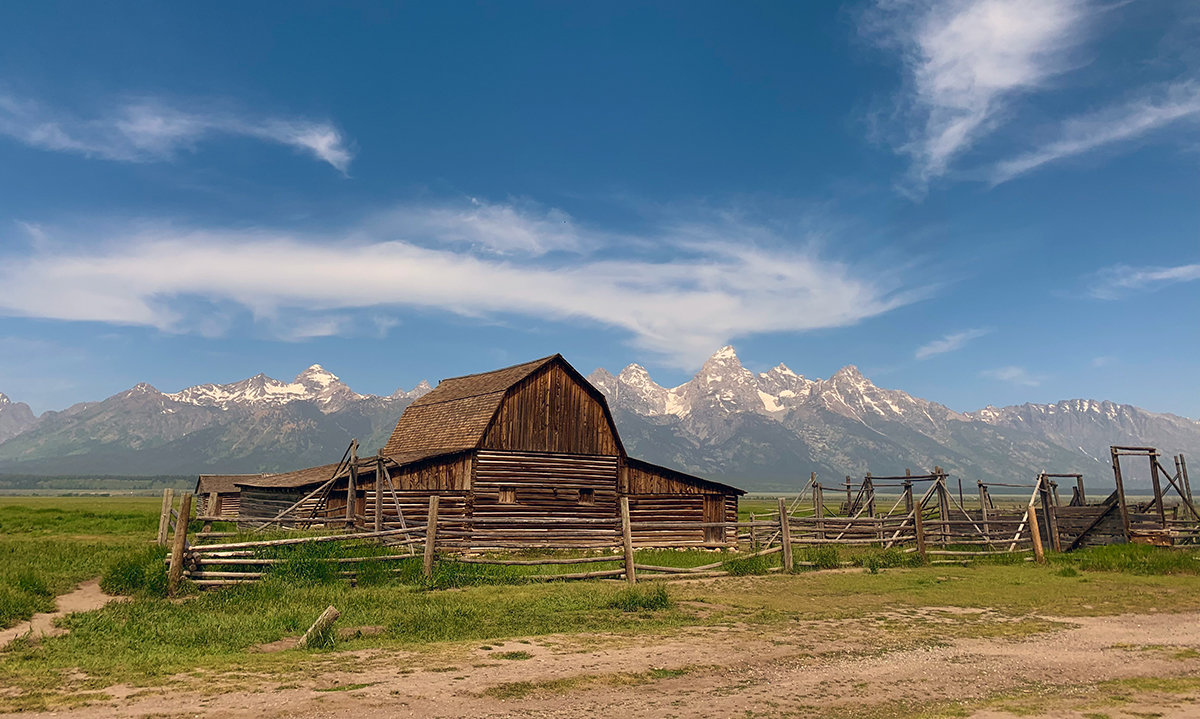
x=315 y=384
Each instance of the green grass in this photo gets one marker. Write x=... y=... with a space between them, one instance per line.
x=148 y=640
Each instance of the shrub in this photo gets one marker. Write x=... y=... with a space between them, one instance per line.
x=636 y=599
x=141 y=571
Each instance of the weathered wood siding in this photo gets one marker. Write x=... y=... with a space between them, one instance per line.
x=544 y=486
x=646 y=480
x=1073 y=520
x=268 y=502
x=451 y=474
x=226 y=506
x=550 y=411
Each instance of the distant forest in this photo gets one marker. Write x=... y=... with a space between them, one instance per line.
x=94 y=482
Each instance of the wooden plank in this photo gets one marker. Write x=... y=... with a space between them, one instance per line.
x=785 y=537
x=164 y=517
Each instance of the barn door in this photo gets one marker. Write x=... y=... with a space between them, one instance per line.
x=714 y=511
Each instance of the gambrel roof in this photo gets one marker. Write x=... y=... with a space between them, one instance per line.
x=456 y=414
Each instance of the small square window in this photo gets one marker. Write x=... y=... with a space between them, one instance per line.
x=587 y=496
x=508 y=495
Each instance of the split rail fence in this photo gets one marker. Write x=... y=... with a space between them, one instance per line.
x=926 y=519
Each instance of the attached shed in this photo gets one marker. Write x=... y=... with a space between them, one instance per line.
x=219 y=495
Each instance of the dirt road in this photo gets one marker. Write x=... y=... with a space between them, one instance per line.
x=886 y=665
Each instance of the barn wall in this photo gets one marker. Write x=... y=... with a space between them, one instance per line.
x=452 y=474
x=544 y=486
x=268 y=502
x=550 y=411
x=227 y=505
x=644 y=480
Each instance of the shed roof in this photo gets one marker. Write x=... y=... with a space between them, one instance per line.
x=221 y=483
x=456 y=413
x=313 y=476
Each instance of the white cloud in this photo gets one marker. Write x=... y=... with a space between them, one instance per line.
x=708 y=291
x=150 y=130
x=1015 y=375
x=949 y=343
x=1119 y=280
x=1102 y=361
x=966 y=61
x=1079 y=135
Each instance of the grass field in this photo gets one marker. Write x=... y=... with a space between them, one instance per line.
x=49 y=544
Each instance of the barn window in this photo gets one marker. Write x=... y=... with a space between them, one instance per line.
x=587 y=496
x=508 y=495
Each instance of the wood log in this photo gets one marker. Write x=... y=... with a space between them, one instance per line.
x=627 y=542
x=323 y=623
x=175 y=571
x=1038 y=554
x=785 y=536
x=431 y=535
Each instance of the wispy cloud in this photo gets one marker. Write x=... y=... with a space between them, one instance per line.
x=700 y=286
x=1119 y=280
x=1013 y=374
x=1102 y=361
x=150 y=130
x=1170 y=104
x=966 y=61
x=949 y=343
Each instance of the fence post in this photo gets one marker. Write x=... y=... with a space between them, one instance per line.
x=983 y=514
x=175 y=572
x=164 y=518
x=943 y=506
x=431 y=535
x=627 y=540
x=352 y=486
x=1039 y=555
x=919 y=526
x=211 y=509
x=1187 y=486
x=379 y=496
x=785 y=535
x=819 y=509
x=1049 y=513
x=1158 y=495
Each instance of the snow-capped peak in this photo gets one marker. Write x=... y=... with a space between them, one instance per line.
x=315 y=384
x=4 y=400
x=417 y=392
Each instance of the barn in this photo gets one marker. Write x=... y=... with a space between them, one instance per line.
x=505 y=451
x=219 y=494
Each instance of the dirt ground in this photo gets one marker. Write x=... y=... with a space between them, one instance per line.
x=964 y=663
x=85 y=597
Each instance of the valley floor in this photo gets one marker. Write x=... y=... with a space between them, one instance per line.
x=926 y=662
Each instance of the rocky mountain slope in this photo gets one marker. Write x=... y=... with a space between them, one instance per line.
x=759 y=431
x=773 y=428
x=257 y=424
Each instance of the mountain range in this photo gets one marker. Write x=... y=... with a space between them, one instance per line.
x=758 y=431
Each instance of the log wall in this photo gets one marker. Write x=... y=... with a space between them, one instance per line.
x=531 y=486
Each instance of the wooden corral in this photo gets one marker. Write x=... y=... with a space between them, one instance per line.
x=504 y=451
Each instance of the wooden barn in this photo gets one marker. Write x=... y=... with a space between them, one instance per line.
x=503 y=450
x=218 y=494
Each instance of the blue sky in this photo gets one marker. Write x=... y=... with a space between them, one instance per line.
x=976 y=201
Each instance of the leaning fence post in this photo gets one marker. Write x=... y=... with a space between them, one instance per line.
x=627 y=539
x=819 y=509
x=1039 y=555
x=379 y=496
x=431 y=535
x=919 y=527
x=175 y=573
x=164 y=518
x=785 y=535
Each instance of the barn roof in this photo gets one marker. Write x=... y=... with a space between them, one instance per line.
x=221 y=483
x=313 y=476
x=456 y=413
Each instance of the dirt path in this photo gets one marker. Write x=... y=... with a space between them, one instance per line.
x=809 y=669
x=84 y=598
